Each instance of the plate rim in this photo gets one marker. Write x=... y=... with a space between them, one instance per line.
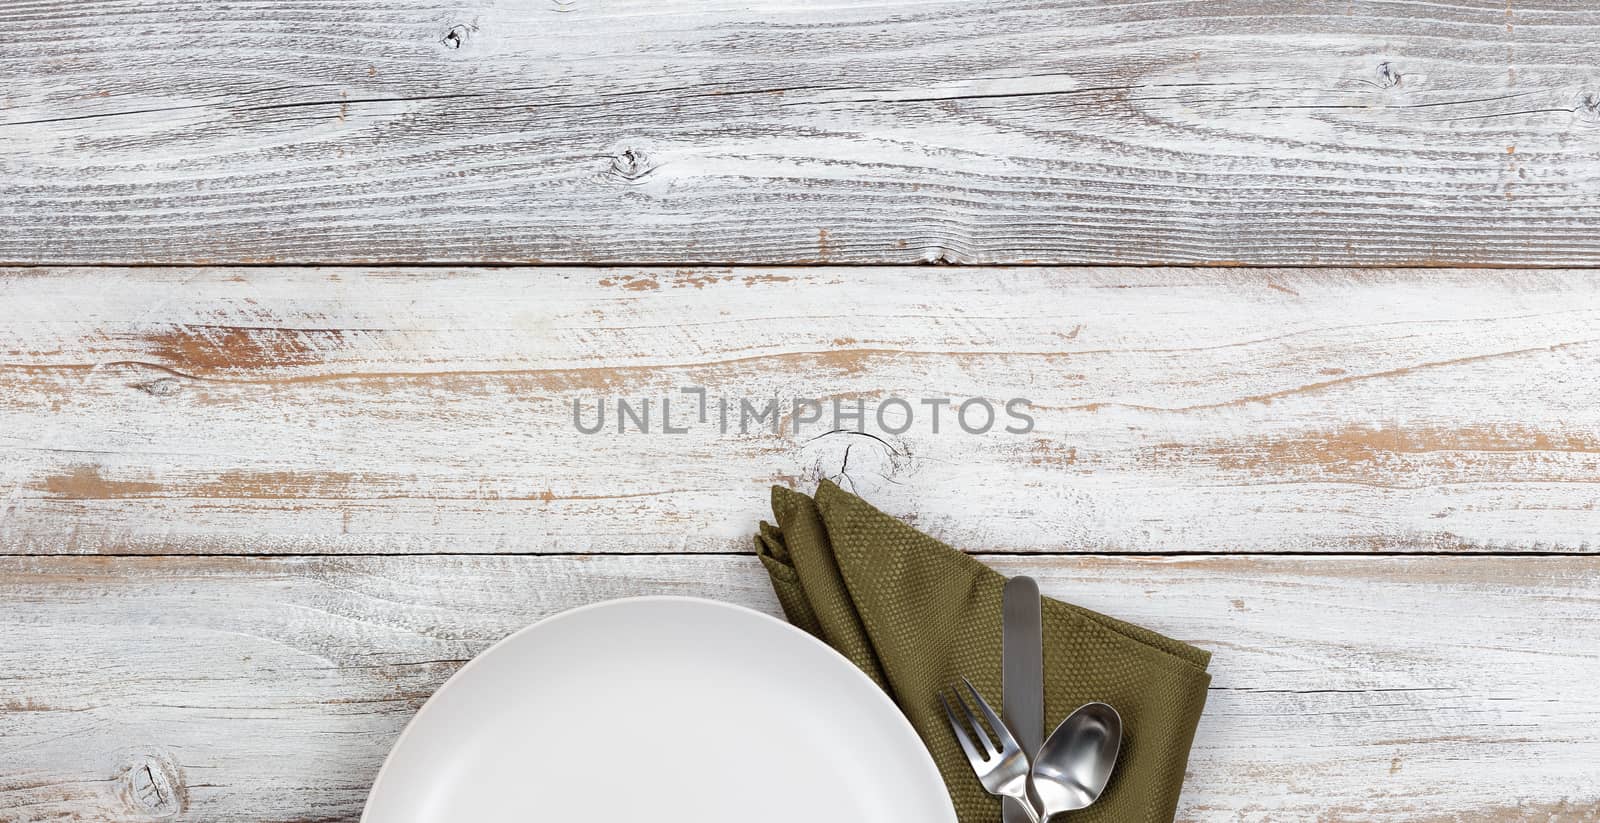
x=904 y=723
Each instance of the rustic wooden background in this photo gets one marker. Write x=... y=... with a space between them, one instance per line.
x=295 y=299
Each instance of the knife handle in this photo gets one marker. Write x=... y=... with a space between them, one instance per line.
x=1022 y=679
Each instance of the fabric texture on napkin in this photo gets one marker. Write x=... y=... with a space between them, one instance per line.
x=916 y=614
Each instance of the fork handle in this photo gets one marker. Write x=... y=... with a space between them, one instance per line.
x=1026 y=804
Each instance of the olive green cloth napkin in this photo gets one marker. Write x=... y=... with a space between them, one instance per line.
x=916 y=614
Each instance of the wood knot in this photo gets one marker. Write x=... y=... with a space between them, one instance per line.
x=151 y=785
x=456 y=36
x=1388 y=78
x=1588 y=108
x=631 y=164
x=160 y=387
x=856 y=460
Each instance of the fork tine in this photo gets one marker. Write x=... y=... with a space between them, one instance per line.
x=961 y=734
x=1007 y=742
x=988 y=744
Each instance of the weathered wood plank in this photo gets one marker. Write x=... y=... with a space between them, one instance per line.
x=350 y=410
x=1259 y=131
x=233 y=689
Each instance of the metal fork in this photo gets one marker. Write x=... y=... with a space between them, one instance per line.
x=1003 y=769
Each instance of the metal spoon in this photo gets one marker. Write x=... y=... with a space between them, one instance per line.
x=1075 y=762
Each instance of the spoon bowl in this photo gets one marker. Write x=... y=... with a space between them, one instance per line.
x=1074 y=764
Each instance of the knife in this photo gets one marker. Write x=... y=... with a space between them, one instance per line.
x=1022 y=674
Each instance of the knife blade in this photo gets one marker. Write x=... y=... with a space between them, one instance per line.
x=1022 y=674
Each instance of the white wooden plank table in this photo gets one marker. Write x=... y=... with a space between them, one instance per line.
x=296 y=301
x=776 y=131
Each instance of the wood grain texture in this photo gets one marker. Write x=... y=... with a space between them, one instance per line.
x=393 y=411
x=1209 y=131
x=235 y=689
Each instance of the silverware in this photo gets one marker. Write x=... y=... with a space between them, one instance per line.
x=1075 y=763
x=1022 y=676
x=1002 y=769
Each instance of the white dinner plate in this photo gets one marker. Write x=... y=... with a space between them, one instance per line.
x=667 y=709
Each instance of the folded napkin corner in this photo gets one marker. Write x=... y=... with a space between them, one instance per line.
x=915 y=614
